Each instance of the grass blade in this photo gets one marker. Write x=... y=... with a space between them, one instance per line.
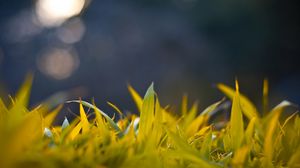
x=236 y=121
x=109 y=120
x=147 y=113
x=136 y=97
x=247 y=106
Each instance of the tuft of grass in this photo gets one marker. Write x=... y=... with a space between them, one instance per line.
x=151 y=137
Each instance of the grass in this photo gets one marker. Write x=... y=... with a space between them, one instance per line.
x=154 y=137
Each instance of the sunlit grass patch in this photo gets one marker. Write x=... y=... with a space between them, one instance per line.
x=152 y=137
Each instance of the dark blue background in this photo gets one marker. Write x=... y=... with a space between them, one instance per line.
x=183 y=46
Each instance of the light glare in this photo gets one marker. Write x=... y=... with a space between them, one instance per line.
x=55 y=12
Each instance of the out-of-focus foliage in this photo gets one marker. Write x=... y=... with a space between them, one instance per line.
x=155 y=137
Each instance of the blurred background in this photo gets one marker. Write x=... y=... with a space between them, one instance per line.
x=94 y=48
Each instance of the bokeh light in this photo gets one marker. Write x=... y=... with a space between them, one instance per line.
x=54 y=12
x=58 y=63
x=72 y=31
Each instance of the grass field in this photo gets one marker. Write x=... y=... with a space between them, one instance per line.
x=154 y=136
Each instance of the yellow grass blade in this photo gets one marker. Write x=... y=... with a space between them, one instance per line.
x=187 y=152
x=24 y=92
x=168 y=118
x=280 y=107
x=3 y=111
x=190 y=116
x=184 y=106
x=19 y=108
x=294 y=160
x=115 y=108
x=247 y=106
x=195 y=125
x=136 y=97
x=211 y=108
x=49 y=118
x=147 y=113
x=250 y=130
x=201 y=119
x=265 y=96
x=240 y=157
x=75 y=131
x=236 y=121
x=271 y=128
x=158 y=123
x=287 y=120
x=24 y=134
x=84 y=121
x=206 y=145
x=109 y=120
